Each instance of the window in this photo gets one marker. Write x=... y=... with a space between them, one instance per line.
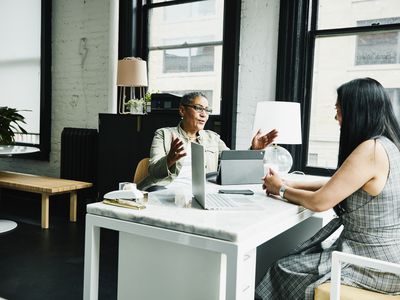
x=185 y=47
x=333 y=65
x=334 y=42
x=25 y=63
x=394 y=94
x=188 y=45
x=182 y=13
x=199 y=59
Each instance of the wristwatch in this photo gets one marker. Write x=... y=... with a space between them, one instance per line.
x=282 y=191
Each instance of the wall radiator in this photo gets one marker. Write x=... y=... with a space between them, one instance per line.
x=79 y=148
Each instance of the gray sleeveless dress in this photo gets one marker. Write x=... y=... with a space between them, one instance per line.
x=371 y=229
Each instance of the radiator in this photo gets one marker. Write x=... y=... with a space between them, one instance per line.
x=79 y=147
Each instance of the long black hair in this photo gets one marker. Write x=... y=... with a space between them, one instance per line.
x=367 y=113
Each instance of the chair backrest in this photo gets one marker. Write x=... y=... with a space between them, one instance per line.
x=141 y=170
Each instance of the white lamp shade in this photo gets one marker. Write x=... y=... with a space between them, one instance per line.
x=132 y=71
x=282 y=116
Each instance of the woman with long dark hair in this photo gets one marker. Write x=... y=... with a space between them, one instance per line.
x=364 y=191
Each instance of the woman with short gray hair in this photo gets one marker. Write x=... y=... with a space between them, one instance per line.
x=170 y=149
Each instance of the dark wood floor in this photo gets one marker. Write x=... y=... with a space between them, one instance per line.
x=48 y=264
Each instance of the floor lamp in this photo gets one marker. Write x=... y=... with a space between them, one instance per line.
x=284 y=117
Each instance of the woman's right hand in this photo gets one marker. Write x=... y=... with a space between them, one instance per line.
x=176 y=152
x=272 y=182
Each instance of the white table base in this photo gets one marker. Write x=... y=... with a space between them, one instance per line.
x=6 y=225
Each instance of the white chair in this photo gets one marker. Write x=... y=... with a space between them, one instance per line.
x=322 y=291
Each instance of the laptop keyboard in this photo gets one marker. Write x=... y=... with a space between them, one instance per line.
x=215 y=201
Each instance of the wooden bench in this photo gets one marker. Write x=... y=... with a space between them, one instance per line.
x=46 y=186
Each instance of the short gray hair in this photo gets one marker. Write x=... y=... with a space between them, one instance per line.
x=189 y=97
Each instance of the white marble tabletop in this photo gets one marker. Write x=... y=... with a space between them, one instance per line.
x=15 y=149
x=161 y=211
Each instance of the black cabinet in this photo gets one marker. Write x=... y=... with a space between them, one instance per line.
x=123 y=141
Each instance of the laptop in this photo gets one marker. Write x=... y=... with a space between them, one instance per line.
x=214 y=201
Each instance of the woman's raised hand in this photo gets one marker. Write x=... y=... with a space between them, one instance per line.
x=260 y=141
x=176 y=152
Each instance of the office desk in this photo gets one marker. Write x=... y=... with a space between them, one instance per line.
x=167 y=252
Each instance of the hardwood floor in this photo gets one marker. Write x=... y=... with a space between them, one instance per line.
x=48 y=264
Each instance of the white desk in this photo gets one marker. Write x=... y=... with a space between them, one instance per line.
x=167 y=248
x=9 y=150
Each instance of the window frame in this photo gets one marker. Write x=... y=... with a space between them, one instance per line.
x=133 y=41
x=296 y=43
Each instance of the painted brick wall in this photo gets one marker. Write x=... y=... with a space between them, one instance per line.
x=80 y=86
x=257 y=59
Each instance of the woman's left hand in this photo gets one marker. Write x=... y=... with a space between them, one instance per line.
x=272 y=182
x=260 y=141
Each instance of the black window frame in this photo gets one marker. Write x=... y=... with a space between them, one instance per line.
x=297 y=35
x=133 y=41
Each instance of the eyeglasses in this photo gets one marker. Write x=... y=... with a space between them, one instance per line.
x=199 y=108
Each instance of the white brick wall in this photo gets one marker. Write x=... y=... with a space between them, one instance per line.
x=79 y=91
x=257 y=62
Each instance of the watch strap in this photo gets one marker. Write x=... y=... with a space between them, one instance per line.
x=282 y=191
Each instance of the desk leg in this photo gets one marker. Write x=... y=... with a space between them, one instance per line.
x=72 y=206
x=45 y=210
x=91 y=263
x=240 y=275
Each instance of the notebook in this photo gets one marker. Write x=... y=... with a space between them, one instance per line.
x=214 y=201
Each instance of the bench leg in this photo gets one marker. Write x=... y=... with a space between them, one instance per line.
x=45 y=210
x=72 y=206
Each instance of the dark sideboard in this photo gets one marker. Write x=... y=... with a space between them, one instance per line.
x=125 y=139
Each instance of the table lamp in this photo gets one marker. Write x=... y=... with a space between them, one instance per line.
x=284 y=117
x=132 y=73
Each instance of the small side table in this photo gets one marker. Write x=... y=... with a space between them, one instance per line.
x=9 y=150
x=6 y=225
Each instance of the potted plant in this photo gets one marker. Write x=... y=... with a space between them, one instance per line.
x=139 y=106
x=136 y=106
x=10 y=120
x=147 y=100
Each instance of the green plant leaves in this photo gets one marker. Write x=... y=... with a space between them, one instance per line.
x=9 y=124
